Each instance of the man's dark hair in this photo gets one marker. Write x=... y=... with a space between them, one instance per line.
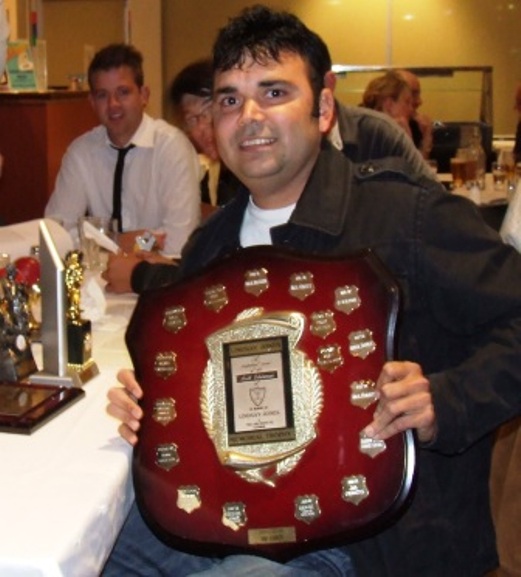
x=262 y=34
x=195 y=79
x=115 y=56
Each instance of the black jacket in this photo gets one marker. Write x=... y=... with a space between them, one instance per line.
x=461 y=320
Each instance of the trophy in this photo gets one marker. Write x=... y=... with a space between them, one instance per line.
x=16 y=358
x=79 y=330
x=259 y=376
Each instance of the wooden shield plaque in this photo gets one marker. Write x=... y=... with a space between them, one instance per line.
x=259 y=375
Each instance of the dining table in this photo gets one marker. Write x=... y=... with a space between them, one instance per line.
x=66 y=488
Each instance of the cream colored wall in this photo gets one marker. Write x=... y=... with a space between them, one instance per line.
x=69 y=25
x=381 y=32
x=426 y=33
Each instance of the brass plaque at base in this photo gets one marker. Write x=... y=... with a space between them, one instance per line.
x=272 y=535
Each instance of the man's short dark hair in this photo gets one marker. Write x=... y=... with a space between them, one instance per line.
x=195 y=79
x=115 y=56
x=263 y=34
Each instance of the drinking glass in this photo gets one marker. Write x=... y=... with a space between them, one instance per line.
x=94 y=257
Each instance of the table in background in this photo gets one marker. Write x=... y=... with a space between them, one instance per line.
x=492 y=203
x=65 y=490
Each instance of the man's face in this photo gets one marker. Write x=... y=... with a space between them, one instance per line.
x=119 y=103
x=265 y=129
x=197 y=121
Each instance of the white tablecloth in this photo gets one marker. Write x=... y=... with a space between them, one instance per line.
x=65 y=490
x=488 y=196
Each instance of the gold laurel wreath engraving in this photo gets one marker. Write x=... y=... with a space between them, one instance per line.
x=264 y=462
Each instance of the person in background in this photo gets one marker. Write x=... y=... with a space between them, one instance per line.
x=391 y=95
x=191 y=97
x=160 y=179
x=363 y=135
x=419 y=123
x=456 y=374
x=517 y=108
x=366 y=136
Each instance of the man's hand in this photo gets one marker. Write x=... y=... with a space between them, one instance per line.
x=119 y=271
x=405 y=402
x=123 y=405
x=127 y=240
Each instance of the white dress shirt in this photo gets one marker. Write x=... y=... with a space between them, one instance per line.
x=160 y=182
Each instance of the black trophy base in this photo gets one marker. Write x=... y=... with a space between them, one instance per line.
x=79 y=342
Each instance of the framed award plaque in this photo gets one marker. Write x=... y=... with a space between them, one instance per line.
x=259 y=376
x=26 y=407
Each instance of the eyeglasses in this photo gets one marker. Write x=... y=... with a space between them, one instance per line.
x=204 y=117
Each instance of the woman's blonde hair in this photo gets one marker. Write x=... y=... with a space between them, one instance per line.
x=390 y=85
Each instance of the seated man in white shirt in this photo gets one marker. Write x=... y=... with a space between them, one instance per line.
x=160 y=180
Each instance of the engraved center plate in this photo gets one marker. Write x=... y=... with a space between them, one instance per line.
x=260 y=395
x=256 y=281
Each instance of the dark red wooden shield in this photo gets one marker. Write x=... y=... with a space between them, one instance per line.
x=258 y=378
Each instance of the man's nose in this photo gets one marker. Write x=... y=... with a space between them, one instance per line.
x=251 y=111
x=113 y=99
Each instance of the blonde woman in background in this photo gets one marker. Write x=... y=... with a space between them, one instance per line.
x=391 y=95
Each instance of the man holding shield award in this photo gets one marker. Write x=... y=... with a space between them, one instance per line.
x=455 y=376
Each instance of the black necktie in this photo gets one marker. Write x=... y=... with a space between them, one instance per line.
x=118 y=178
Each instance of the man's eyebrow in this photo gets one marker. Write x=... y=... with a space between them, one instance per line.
x=262 y=84
x=225 y=90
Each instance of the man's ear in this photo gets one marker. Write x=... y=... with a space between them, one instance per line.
x=326 y=110
x=145 y=94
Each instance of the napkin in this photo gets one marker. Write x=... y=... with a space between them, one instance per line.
x=93 y=301
x=510 y=230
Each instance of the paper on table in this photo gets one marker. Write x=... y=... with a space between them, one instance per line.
x=17 y=239
x=99 y=237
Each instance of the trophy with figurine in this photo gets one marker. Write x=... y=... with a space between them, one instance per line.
x=79 y=330
x=16 y=359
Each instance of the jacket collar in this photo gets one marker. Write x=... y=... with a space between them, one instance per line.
x=323 y=203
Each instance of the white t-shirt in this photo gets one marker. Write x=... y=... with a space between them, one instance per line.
x=257 y=223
